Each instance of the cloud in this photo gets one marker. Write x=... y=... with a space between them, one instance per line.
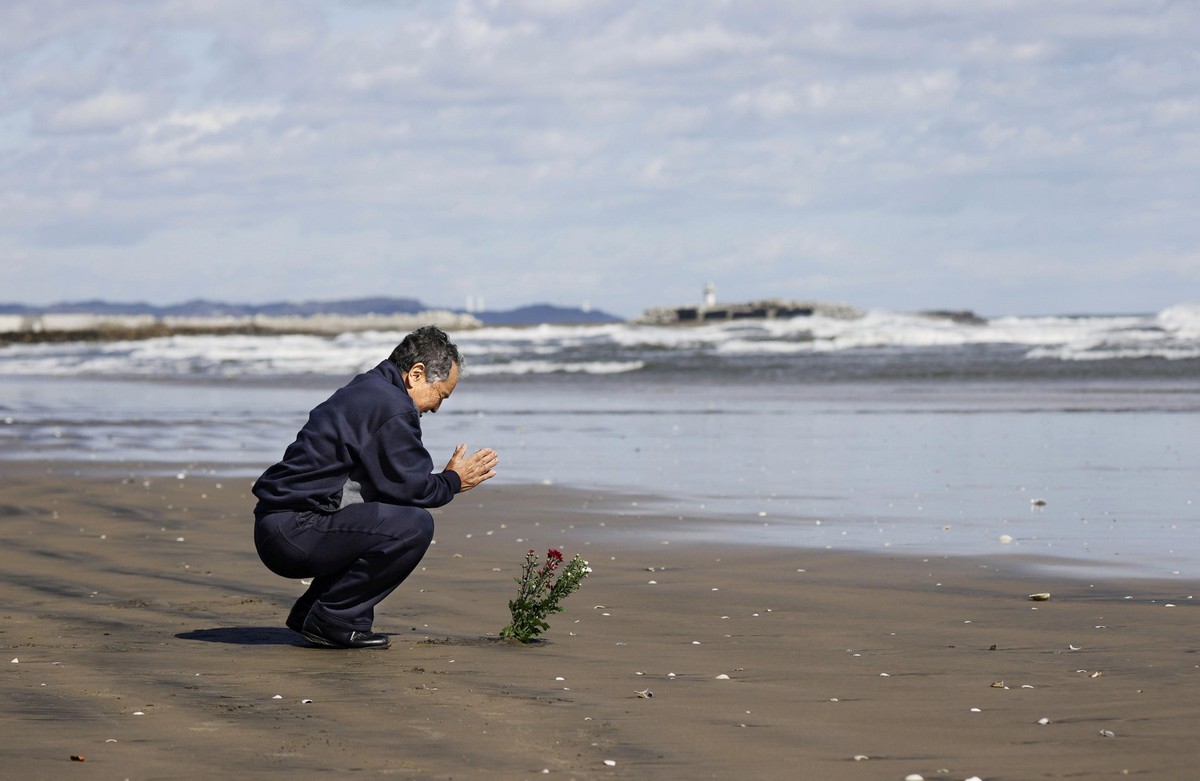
x=681 y=47
x=775 y=101
x=109 y=110
x=587 y=143
x=198 y=138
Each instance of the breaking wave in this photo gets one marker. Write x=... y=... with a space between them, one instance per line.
x=1170 y=335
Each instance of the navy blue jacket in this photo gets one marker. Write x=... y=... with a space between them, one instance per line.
x=368 y=432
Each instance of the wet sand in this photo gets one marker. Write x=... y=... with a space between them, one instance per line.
x=141 y=633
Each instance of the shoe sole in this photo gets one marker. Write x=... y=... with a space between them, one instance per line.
x=318 y=640
x=326 y=643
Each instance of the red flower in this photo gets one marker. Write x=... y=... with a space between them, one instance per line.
x=553 y=554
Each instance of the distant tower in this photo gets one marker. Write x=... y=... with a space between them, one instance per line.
x=710 y=294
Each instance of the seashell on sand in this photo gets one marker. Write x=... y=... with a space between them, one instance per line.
x=1041 y=596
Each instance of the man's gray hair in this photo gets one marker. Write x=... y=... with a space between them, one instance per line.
x=431 y=346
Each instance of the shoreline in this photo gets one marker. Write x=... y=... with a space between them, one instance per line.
x=134 y=594
x=664 y=516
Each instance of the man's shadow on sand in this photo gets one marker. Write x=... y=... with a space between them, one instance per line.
x=244 y=635
x=276 y=635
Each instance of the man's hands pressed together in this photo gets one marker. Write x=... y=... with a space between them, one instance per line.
x=473 y=469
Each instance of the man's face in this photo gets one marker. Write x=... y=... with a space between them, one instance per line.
x=426 y=395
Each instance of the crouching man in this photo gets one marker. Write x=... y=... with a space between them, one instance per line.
x=347 y=504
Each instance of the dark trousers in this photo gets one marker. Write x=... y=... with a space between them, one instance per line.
x=355 y=557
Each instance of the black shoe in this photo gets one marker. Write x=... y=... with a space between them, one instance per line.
x=295 y=619
x=332 y=637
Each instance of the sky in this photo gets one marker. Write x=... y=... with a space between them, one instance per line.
x=1003 y=156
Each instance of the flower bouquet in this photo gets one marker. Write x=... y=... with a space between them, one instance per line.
x=541 y=589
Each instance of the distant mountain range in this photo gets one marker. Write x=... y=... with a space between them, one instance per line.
x=534 y=314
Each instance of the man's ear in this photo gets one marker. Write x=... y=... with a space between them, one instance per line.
x=414 y=374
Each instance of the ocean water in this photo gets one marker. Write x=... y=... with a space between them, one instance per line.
x=1067 y=437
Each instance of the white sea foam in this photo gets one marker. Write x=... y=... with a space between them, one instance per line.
x=1172 y=334
x=1183 y=320
x=553 y=367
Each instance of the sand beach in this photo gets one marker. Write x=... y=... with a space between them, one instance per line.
x=142 y=639
x=856 y=347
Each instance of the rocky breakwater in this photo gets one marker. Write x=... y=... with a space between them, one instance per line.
x=766 y=309
x=74 y=327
